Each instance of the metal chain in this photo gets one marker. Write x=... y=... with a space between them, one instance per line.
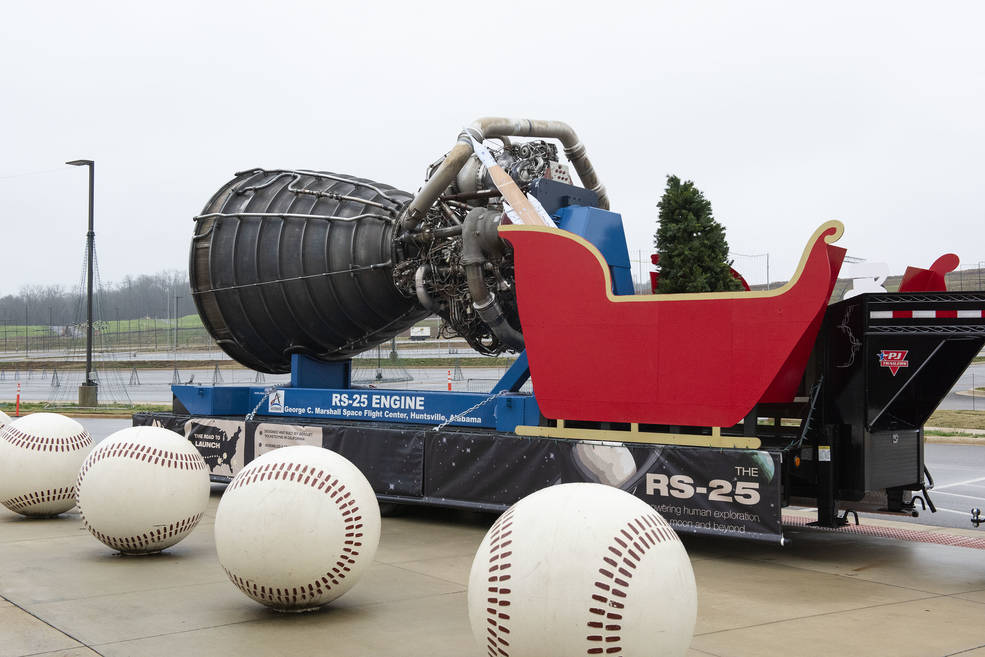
x=267 y=392
x=459 y=416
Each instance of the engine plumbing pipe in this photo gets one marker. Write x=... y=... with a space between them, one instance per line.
x=488 y=127
x=473 y=260
x=422 y=294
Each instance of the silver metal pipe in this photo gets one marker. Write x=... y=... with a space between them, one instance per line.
x=501 y=127
x=417 y=209
x=483 y=300
x=573 y=148
x=422 y=294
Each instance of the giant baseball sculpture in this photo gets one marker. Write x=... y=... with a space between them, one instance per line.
x=582 y=569
x=297 y=528
x=142 y=490
x=40 y=455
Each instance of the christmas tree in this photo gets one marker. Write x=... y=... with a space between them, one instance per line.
x=692 y=246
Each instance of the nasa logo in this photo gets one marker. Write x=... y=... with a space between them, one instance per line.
x=894 y=359
x=276 y=402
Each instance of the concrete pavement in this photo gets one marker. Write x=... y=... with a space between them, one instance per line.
x=827 y=593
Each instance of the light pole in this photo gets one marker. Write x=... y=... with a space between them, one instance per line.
x=176 y=299
x=89 y=390
x=130 y=316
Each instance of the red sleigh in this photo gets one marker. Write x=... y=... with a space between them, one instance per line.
x=675 y=359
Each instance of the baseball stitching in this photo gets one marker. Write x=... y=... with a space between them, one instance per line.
x=498 y=598
x=625 y=552
x=336 y=490
x=24 y=502
x=148 y=541
x=18 y=438
x=145 y=453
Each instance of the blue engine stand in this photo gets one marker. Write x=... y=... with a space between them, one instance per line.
x=323 y=390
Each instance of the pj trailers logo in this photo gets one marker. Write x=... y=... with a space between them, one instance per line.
x=893 y=359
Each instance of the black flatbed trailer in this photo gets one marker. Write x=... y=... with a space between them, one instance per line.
x=852 y=439
x=883 y=363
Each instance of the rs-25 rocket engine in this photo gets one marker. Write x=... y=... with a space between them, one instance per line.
x=330 y=265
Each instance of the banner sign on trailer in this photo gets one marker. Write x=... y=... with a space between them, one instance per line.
x=697 y=490
x=721 y=492
x=404 y=407
x=220 y=442
x=268 y=436
x=393 y=462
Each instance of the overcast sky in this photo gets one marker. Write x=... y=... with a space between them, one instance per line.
x=784 y=114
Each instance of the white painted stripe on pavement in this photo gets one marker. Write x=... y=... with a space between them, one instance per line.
x=963 y=513
x=970 y=497
x=959 y=483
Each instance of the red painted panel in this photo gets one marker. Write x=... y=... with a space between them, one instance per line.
x=691 y=359
x=916 y=279
x=787 y=381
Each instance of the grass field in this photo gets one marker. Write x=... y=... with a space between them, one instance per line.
x=958 y=419
x=144 y=334
x=103 y=410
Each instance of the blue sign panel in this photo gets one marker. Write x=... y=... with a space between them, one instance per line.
x=402 y=406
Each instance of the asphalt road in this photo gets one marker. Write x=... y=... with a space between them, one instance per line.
x=973 y=377
x=959 y=484
x=153 y=386
x=101 y=428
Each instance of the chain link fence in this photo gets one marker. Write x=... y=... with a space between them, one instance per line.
x=107 y=336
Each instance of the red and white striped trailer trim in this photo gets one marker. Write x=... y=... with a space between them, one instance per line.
x=926 y=314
